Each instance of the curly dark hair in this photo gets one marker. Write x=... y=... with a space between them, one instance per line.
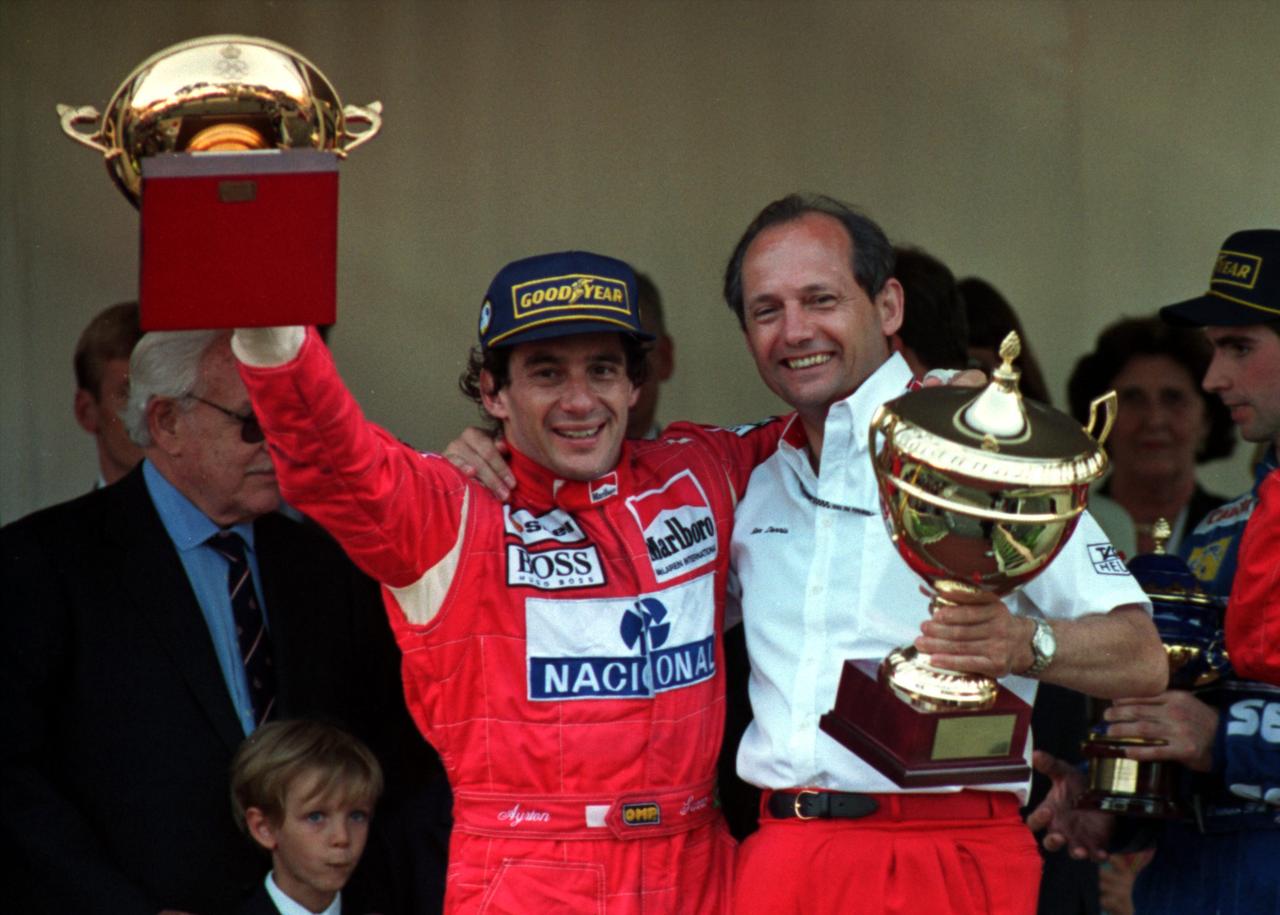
x=1129 y=337
x=497 y=362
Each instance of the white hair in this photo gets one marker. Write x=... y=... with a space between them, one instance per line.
x=164 y=364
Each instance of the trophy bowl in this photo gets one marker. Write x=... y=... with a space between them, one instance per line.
x=979 y=495
x=979 y=492
x=218 y=93
x=1190 y=623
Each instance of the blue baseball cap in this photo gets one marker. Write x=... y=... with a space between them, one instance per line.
x=556 y=295
x=1244 y=287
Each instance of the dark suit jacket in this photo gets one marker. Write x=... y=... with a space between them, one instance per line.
x=117 y=726
x=260 y=903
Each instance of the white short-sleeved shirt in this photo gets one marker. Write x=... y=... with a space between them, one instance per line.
x=820 y=582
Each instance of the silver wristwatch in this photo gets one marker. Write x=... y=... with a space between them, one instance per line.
x=1043 y=647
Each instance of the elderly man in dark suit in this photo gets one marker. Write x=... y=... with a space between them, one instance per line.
x=128 y=679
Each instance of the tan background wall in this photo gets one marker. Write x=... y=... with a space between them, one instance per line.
x=1086 y=157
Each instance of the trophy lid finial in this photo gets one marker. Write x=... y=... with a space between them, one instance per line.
x=997 y=415
x=1161 y=532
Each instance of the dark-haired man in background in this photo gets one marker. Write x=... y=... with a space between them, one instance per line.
x=1226 y=736
x=102 y=387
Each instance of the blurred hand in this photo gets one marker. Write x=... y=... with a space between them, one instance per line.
x=1116 y=878
x=483 y=458
x=968 y=378
x=1084 y=833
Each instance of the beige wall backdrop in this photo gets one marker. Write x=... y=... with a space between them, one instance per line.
x=1086 y=157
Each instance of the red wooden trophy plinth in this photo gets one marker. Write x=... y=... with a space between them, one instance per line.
x=920 y=749
x=239 y=239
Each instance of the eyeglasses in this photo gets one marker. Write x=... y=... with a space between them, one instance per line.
x=250 y=431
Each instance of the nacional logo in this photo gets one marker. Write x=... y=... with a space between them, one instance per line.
x=578 y=291
x=678 y=526
x=623 y=647
x=1106 y=559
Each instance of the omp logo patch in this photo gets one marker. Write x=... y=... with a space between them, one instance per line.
x=621 y=647
x=554 y=570
x=1106 y=559
x=555 y=525
x=641 y=814
x=678 y=526
x=1236 y=268
x=1206 y=559
x=576 y=290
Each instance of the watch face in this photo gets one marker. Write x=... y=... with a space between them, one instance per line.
x=1043 y=642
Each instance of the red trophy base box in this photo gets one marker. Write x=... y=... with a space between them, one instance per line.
x=243 y=239
x=923 y=749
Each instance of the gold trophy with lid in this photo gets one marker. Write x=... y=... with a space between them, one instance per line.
x=979 y=492
x=229 y=144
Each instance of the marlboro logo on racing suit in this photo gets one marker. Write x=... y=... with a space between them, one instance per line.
x=678 y=525
x=621 y=647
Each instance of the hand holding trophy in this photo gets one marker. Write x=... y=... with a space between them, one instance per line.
x=1190 y=623
x=979 y=494
x=229 y=145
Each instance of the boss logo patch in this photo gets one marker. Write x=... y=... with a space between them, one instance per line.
x=553 y=570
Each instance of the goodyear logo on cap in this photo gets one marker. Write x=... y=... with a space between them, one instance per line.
x=641 y=814
x=576 y=292
x=1235 y=268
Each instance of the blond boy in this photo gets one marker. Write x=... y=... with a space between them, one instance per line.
x=305 y=792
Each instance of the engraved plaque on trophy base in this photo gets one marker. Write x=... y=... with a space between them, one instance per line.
x=1126 y=786
x=923 y=749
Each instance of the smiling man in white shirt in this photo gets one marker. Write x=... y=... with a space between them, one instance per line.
x=811 y=284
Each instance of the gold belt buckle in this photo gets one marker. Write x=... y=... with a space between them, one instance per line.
x=795 y=807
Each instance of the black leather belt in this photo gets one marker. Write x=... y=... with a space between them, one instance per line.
x=821 y=805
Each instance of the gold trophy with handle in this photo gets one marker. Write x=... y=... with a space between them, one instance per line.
x=979 y=492
x=229 y=144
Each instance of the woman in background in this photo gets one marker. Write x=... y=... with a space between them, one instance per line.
x=1165 y=426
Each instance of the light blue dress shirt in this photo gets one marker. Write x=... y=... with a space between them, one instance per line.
x=189 y=528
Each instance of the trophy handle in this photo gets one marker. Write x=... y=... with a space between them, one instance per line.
x=1107 y=401
x=369 y=115
x=71 y=118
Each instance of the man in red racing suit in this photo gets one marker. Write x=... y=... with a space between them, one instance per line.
x=560 y=651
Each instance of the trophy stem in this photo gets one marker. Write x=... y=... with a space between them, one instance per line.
x=915 y=680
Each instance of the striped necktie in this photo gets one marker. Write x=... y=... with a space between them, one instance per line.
x=251 y=630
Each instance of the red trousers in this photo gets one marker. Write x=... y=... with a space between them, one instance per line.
x=975 y=857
